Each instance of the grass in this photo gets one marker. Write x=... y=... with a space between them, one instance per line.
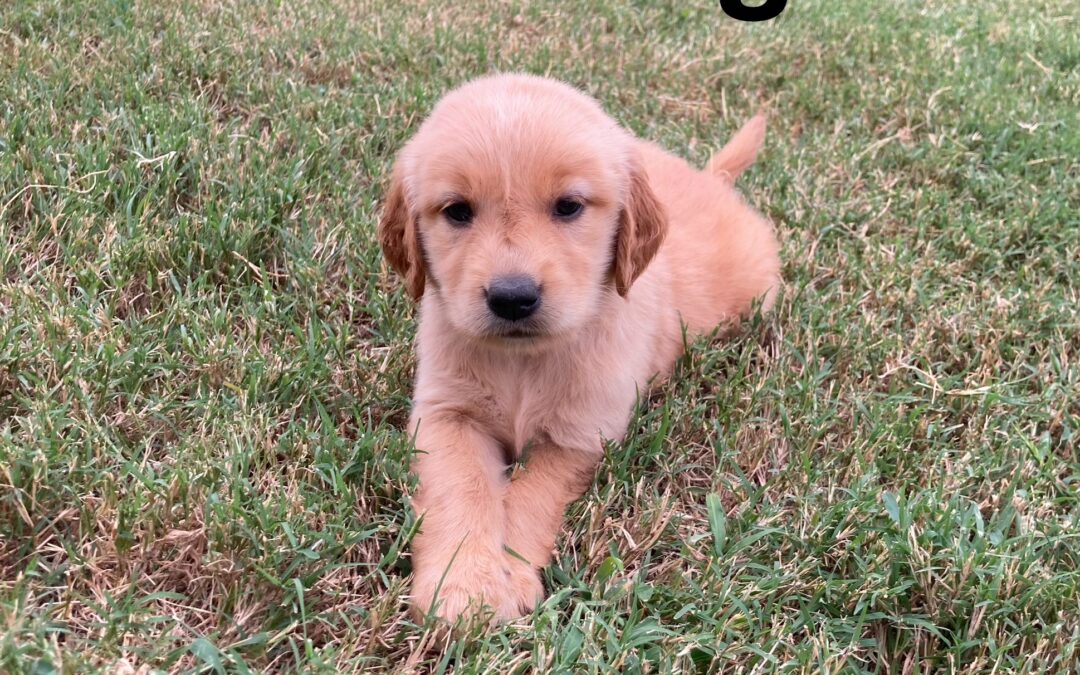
x=205 y=366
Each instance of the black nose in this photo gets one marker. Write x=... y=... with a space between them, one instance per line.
x=513 y=298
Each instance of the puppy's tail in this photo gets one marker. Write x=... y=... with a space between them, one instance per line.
x=740 y=151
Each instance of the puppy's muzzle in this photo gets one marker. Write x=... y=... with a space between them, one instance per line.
x=513 y=298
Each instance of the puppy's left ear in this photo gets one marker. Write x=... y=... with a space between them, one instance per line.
x=399 y=238
x=642 y=226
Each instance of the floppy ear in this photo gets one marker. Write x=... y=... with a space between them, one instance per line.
x=642 y=226
x=399 y=238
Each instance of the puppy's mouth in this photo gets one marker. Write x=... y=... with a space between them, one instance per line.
x=519 y=334
x=516 y=332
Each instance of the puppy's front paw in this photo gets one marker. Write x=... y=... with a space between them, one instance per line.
x=475 y=586
x=525 y=588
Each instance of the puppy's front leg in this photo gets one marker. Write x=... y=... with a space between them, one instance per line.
x=538 y=495
x=459 y=563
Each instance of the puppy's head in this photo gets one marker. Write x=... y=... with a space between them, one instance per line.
x=519 y=205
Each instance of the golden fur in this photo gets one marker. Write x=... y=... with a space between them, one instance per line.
x=657 y=245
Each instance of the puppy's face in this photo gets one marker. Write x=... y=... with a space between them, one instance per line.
x=519 y=206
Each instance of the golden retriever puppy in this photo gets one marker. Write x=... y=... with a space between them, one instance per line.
x=558 y=258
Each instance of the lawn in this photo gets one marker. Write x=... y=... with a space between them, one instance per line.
x=205 y=366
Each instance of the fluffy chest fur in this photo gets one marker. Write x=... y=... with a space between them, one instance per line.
x=574 y=393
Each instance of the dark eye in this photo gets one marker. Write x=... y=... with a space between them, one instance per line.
x=458 y=213
x=568 y=208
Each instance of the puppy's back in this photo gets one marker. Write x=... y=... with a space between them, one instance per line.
x=722 y=253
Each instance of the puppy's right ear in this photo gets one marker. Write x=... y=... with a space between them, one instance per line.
x=399 y=238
